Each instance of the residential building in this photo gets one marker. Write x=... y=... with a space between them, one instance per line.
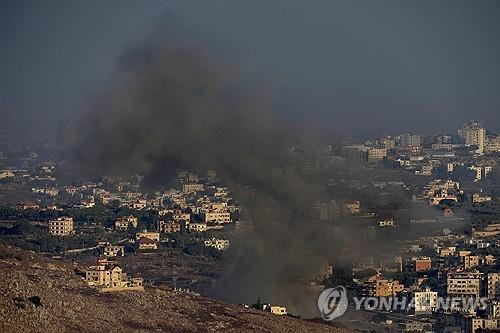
x=108 y=276
x=425 y=301
x=217 y=216
x=376 y=154
x=123 y=223
x=480 y=198
x=219 y=244
x=168 y=227
x=153 y=235
x=470 y=261
x=474 y=134
x=198 y=227
x=114 y=251
x=407 y=140
x=62 y=226
x=146 y=243
x=386 y=288
x=493 y=286
x=422 y=264
x=278 y=310
x=464 y=284
x=192 y=187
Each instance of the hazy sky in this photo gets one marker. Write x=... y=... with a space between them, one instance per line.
x=362 y=67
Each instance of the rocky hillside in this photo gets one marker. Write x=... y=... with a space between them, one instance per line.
x=38 y=294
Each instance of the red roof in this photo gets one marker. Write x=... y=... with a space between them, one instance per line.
x=145 y=240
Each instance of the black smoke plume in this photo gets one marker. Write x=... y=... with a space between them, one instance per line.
x=173 y=104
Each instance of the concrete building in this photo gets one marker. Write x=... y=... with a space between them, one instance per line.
x=168 y=227
x=493 y=286
x=114 y=251
x=470 y=261
x=219 y=244
x=198 y=227
x=62 y=226
x=386 y=288
x=376 y=154
x=409 y=140
x=145 y=243
x=278 y=310
x=192 y=187
x=425 y=301
x=464 y=284
x=123 y=223
x=422 y=264
x=153 y=235
x=217 y=216
x=474 y=134
x=480 y=198
x=107 y=276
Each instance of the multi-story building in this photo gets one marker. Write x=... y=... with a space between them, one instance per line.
x=168 y=227
x=62 y=226
x=386 y=288
x=218 y=216
x=425 y=301
x=422 y=264
x=375 y=154
x=109 y=276
x=493 y=286
x=464 y=284
x=123 y=223
x=474 y=134
x=192 y=187
x=114 y=251
x=492 y=143
x=470 y=261
x=409 y=140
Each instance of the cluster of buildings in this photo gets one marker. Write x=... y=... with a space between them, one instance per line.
x=473 y=148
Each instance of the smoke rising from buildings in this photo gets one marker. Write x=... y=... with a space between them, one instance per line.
x=171 y=105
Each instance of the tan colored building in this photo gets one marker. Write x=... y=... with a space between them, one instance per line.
x=218 y=216
x=479 y=198
x=470 y=261
x=387 y=288
x=123 y=223
x=352 y=208
x=114 y=251
x=447 y=251
x=493 y=286
x=278 y=310
x=464 y=284
x=168 y=227
x=195 y=187
x=63 y=226
x=376 y=154
x=153 y=235
x=474 y=134
x=198 y=227
x=107 y=276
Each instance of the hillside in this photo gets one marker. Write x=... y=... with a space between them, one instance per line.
x=38 y=294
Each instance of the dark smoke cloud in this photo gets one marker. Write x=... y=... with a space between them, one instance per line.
x=173 y=104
